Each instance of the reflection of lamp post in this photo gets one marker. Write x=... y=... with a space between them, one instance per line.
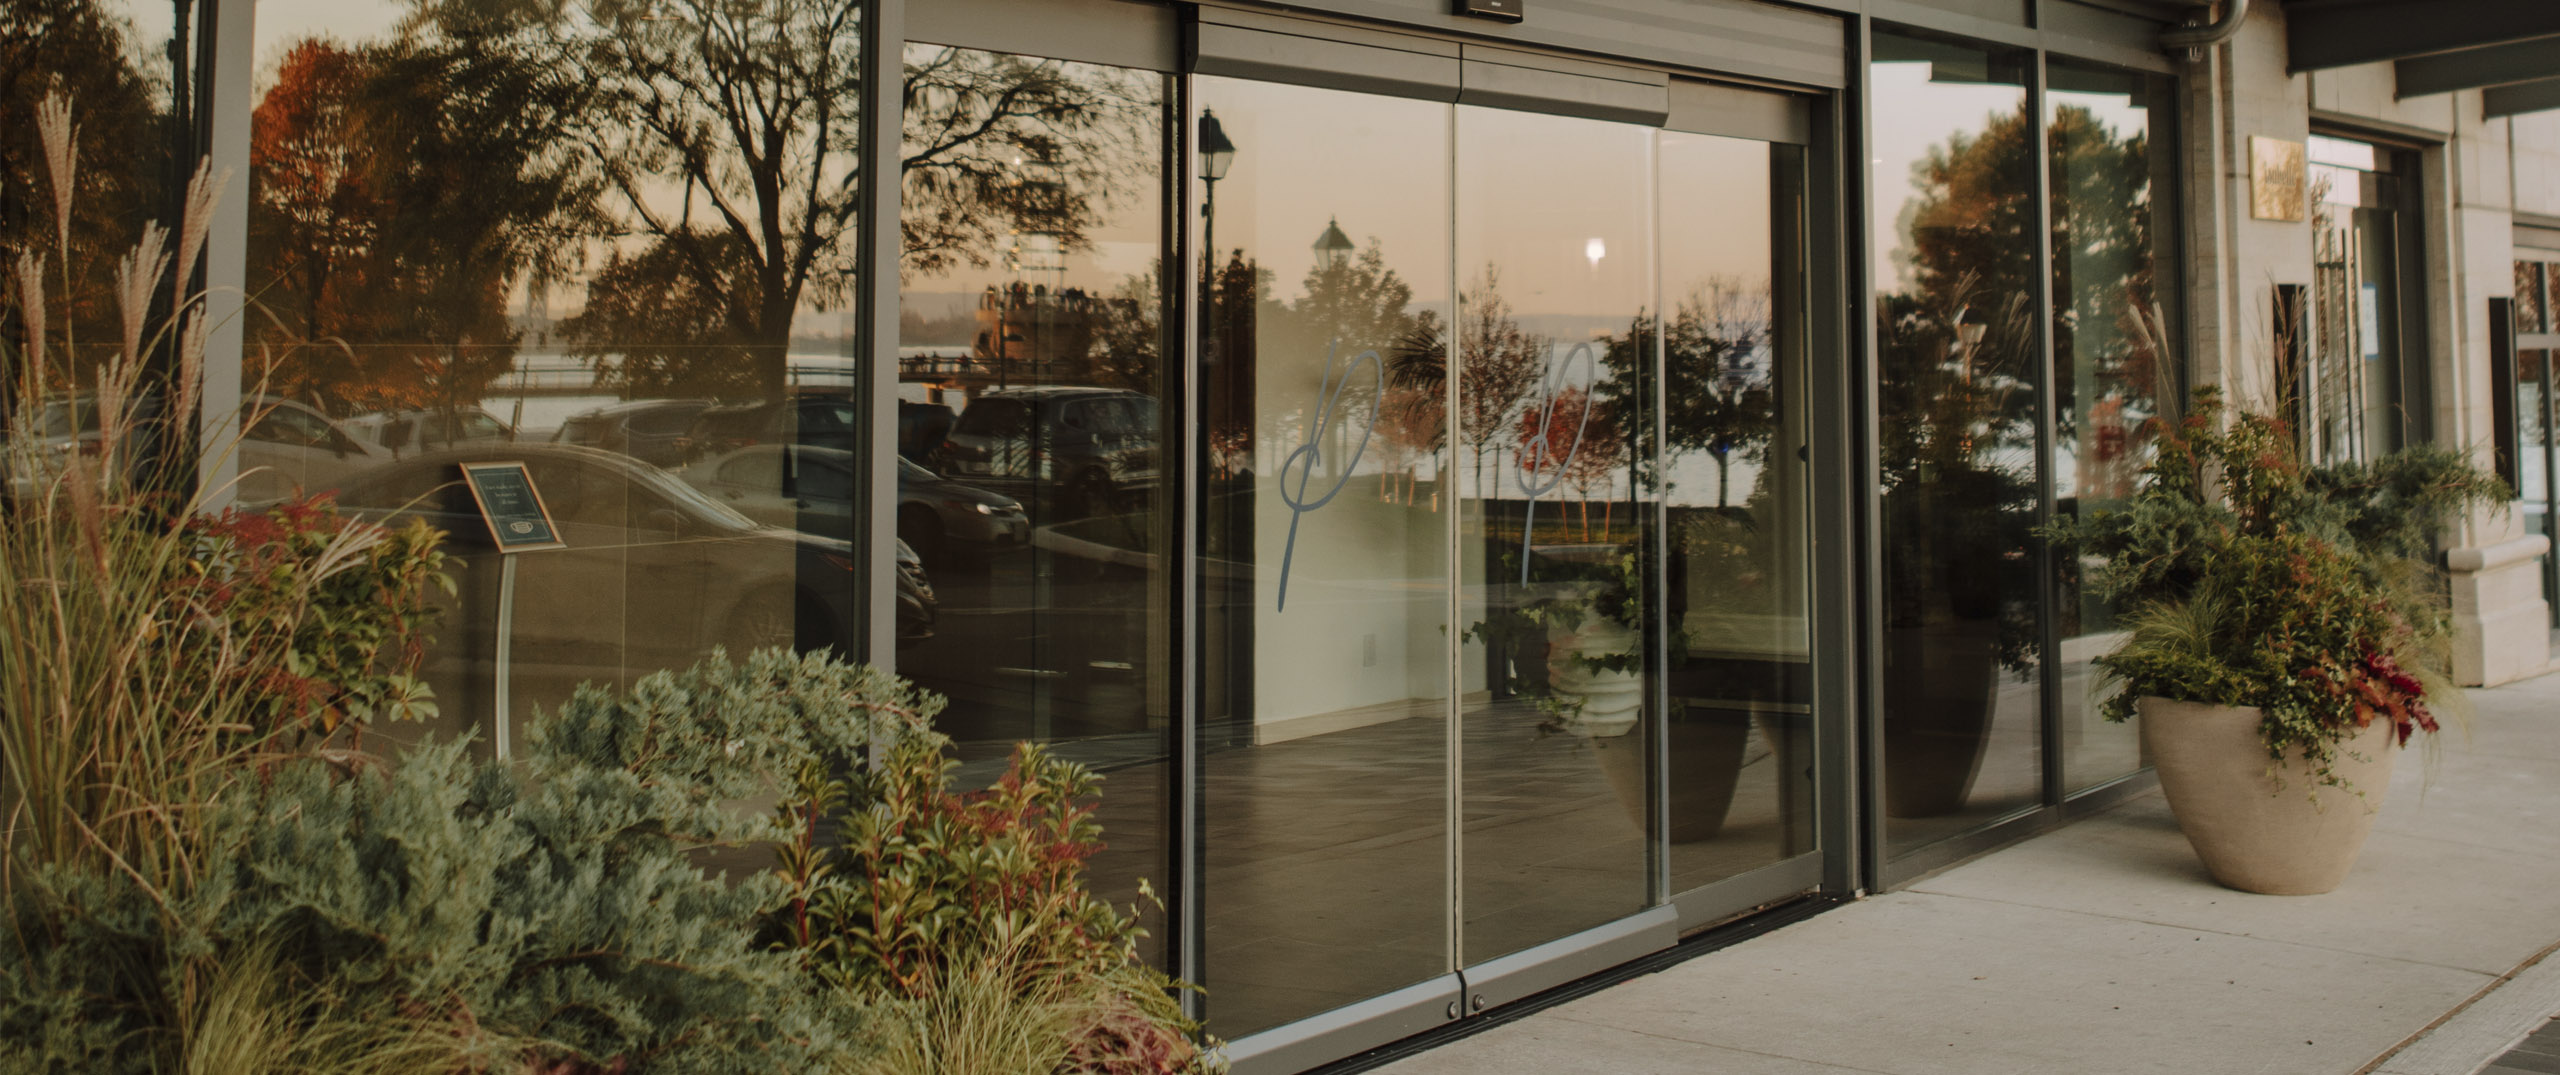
x=1332 y=248
x=1216 y=153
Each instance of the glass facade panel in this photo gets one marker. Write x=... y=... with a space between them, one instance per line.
x=1328 y=518
x=2112 y=365
x=1956 y=367
x=1737 y=548
x=1554 y=347
x=479 y=234
x=1031 y=373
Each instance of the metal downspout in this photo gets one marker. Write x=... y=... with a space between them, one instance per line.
x=2195 y=39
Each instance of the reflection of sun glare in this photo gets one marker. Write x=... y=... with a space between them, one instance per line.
x=1594 y=250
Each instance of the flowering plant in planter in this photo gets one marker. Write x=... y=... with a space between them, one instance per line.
x=2304 y=592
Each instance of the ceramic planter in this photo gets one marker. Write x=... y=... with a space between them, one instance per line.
x=2253 y=833
x=1609 y=701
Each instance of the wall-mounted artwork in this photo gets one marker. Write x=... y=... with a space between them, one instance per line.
x=2275 y=179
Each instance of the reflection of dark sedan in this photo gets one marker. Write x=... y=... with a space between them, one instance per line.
x=654 y=573
x=812 y=489
x=1073 y=451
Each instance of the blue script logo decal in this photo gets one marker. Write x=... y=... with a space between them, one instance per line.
x=1310 y=453
x=1539 y=447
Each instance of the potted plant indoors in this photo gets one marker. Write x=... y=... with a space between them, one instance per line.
x=2288 y=636
x=1588 y=611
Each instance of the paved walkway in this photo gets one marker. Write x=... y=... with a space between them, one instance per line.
x=2104 y=948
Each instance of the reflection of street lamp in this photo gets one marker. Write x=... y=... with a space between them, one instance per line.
x=1332 y=248
x=1216 y=153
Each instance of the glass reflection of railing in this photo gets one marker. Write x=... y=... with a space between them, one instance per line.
x=558 y=374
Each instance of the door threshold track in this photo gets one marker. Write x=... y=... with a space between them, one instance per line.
x=1713 y=939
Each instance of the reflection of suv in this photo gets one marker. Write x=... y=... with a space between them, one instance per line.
x=409 y=432
x=649 y=430
x=1072 y=451
x=822 y=420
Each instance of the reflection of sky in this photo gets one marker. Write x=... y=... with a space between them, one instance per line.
x=1912 y=116
x=282 y=22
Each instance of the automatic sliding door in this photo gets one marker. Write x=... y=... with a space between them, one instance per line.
x=1444 y=464
x=1735 y=482
x=1555 y=357
x=1325 y=574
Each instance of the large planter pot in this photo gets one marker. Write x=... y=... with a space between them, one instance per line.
x=1943 y=682
x=1706 y=748
x=2259 y=831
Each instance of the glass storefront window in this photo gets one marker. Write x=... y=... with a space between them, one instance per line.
x=2115 y=376
x=1031 y=375
x=1956 y=305
x=481 y=233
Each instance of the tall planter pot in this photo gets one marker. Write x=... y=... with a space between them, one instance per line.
x=2255 y=834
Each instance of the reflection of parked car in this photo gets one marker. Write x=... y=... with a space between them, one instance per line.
x=649 y=430
x=820 y=419
x=67 y=426
x=285 y=446
x=1075 y=451
x=812 y=489
x=405 y=432
x=654 y=573
x=921 y=427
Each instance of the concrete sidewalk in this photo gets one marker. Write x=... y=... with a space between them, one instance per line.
x=2104 y=948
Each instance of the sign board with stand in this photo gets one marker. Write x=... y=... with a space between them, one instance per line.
x=519 y=522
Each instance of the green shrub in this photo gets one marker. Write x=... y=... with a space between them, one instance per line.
x=482 y=920
x=2304 y=591
x=942 y=909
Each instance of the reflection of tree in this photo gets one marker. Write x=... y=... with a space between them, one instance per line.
x=2103 y=266
x=1956 y=398
x=1573 y=436
x=1716 y=394
x=682 y=333
x=997 y=145
x=402 y=192
x=746 y=115
x=1499 y=364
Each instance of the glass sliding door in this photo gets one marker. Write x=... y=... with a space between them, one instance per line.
x=1327 y=516
x=1956 y=369
x=1733 y=480
x=1554 y=364
x=1442 y=468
